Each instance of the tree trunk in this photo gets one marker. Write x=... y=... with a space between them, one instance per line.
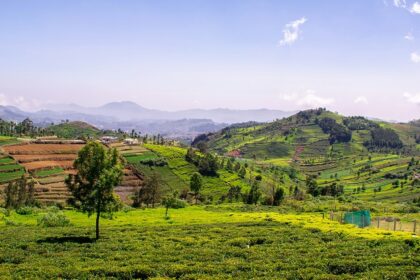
x=97 y=223
x=98 y=215
x=166 y=213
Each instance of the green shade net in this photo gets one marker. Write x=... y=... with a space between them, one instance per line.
x=358 y=218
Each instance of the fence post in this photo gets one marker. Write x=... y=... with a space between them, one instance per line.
x=415 y=225
x=323 y=215
x=379 y=220
x=395 y=224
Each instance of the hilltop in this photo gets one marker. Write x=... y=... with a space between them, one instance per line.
x=75 y=129
x=314 y=134
x=369 y=159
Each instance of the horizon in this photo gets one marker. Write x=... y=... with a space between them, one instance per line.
x=358 y=58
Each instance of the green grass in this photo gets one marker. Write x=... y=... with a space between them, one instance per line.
x=10 y=176
x=10 y=167
x=213 y=187
x=7 y=140
x=196 y=243
x=6 y=160
x=48 y=172
x=136 y=158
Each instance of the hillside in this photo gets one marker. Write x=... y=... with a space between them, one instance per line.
x=74 y=130
x=366 y=157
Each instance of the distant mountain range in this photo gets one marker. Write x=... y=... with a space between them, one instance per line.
x=129 y=115
x=128 y=111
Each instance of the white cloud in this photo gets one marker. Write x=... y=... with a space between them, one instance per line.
x=291 y=32
x=415 y=57
x=409 y=37
x=400 y=3
x=415 y=9
x=312 y=100
x=20 y=102
x=361 y=100
x=412 y=98
x=308 y=99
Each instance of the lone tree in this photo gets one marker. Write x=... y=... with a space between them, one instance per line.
x=196 y=184
x=98 y=171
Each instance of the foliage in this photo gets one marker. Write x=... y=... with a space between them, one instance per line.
x=98 y=172
x=254 y=194
x=359 y=123
x=384 y=138
x=19 y=193
x=54 y=219
x=338 y=133
x=151 y=191
x=208 y=165
x=154 y=162
x=196 y=184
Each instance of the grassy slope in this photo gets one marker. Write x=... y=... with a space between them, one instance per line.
x=183 y=170
x=200 y=244
x=9 y=169
x=310 y=146
x=74 y=130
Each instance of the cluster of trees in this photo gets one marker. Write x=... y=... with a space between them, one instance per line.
x=235 y=166
x=150 y=193
x=153 y=139
x=24 y=128
x=19 y=193
x=384 y=138
x=308 y=115
x=338 y=132
x=330 y=190
x=359 y=123
x=207 y=164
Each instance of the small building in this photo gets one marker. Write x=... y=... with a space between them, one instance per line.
x=131 y=141
x=109 y=139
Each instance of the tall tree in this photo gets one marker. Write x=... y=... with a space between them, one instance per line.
x=196 y=184
x=98 y=171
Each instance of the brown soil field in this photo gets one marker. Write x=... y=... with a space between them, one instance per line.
x=48 y=164
x=53 y=157
x=39 y=149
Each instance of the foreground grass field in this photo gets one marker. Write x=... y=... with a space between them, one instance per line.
x=204 y=243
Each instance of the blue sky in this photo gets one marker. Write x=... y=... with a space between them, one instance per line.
x=354 y=57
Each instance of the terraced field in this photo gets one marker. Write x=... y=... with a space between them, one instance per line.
x=49 y=165
x=132 y=180
x=375 y=182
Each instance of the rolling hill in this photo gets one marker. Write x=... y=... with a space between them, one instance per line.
x=370 y=159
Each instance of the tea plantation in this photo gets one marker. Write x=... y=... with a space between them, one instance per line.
x=215 y=242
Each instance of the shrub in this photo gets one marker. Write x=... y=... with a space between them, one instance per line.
x=178 y=204
x=25 y=210
x=54 y=219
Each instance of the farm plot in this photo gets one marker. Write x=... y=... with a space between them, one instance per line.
x=48 y=164
x=10 y=170
x=132 y=180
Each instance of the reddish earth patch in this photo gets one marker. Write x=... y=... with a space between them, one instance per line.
x=48 y=164
x=47 y=157
x=234 y=153
x=39 y=149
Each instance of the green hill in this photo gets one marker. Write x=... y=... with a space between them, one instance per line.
x=73 y=130
x=366 y=157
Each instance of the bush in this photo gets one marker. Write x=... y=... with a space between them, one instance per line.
x=54 y=219
x=159 y=162
x=25 y=210
x=178 y=204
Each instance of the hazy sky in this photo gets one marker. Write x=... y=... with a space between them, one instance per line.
x=355 y=57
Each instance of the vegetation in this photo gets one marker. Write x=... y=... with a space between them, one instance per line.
x=98 y=172
x=211 y=243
